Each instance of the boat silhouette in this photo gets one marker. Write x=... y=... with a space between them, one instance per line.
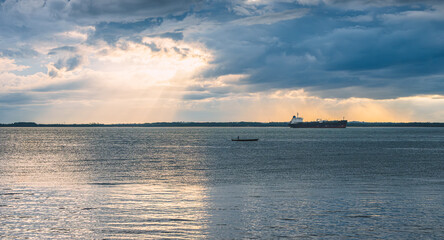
x=244 y=139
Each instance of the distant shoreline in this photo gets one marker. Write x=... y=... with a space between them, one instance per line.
x=221 y=124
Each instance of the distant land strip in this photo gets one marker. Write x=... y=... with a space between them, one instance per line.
x=222 y=124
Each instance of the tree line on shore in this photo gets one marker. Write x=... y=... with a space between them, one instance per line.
x=222 y=124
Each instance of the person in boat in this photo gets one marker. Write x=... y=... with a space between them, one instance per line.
x=237 y=137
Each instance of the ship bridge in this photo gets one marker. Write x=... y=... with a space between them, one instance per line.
x=296 y=119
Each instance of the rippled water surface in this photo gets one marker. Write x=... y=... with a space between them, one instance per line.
x=196 y=183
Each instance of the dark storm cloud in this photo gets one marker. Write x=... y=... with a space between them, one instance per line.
x=173 y=35
x=113 y=31
x=110 y=10
x=363 y=3
x=335 y=48
x=395 y=46
x=29 y=19
x=270 y=18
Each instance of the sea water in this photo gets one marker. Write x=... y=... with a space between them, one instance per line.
x=195 y=183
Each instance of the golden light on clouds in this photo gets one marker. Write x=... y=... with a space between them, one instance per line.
x=155 y=61
x=128 y=82
x=144 y=61
x=281 y=105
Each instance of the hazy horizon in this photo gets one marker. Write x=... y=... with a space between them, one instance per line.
x=198 y=122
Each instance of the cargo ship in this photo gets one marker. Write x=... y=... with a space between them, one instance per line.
x=297 y=122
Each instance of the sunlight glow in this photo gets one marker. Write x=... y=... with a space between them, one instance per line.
x=155 y=61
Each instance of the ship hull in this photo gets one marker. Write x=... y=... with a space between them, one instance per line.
x=245 y=140
x=323 y=124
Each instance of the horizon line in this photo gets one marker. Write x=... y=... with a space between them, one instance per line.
x=30 y=123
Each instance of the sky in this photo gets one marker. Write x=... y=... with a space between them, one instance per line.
x=136 y=61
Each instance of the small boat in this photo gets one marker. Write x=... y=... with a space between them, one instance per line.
x=244 y=139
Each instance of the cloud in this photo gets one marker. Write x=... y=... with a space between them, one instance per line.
x=15 y=98
x=62 y=49
x=70 y=63
x=209 y=56
x=65 y=65
x=271 y=18
x=336 y=57
x=19 y=52
x=31 y=20
x=172 y=35
x=127 y=11
x=280 y=105
x=369 y=4
x=122 y=76
x=8 y=65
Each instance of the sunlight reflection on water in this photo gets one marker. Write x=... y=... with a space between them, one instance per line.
x=128 y=183
x=103 y=211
